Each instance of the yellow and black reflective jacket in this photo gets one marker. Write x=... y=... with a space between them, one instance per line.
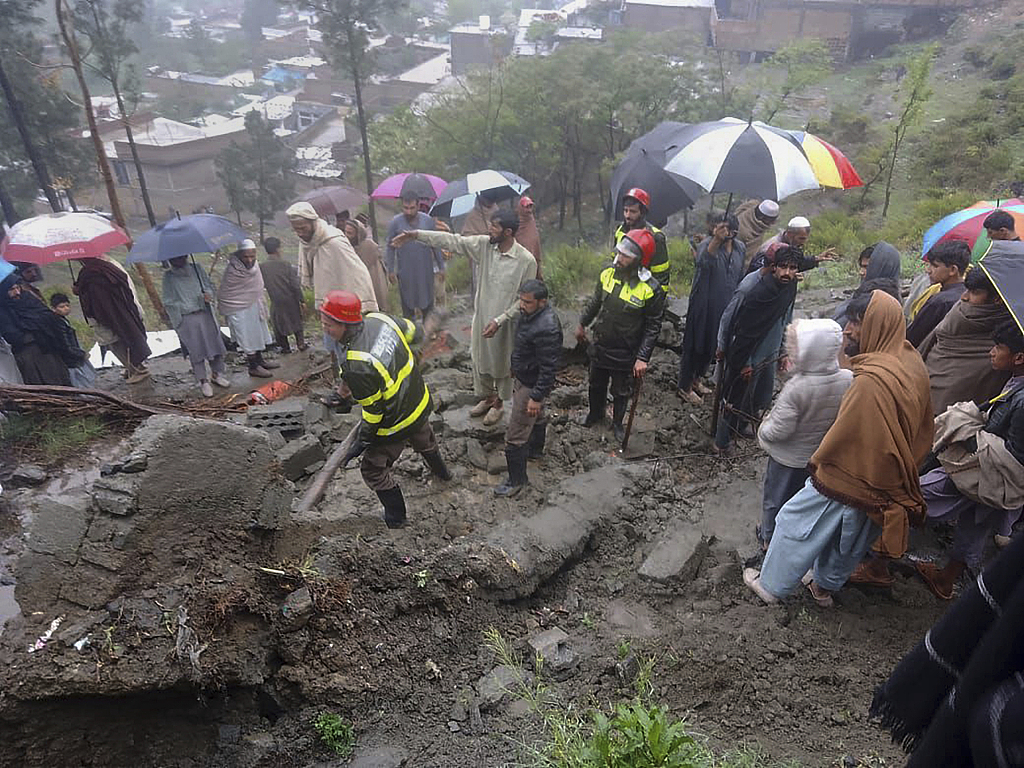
x=659 y=267
x=380 y=369
x=626 y=312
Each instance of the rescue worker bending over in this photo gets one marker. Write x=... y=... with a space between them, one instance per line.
x=635 y=205
x=378 y=366
x=626 y=311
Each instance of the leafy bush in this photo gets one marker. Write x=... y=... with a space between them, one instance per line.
x=334 y=733
x=638 y=735
x=680 y=256
x=571 y=270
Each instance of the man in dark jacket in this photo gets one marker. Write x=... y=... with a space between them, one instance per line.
x=635 y=205
x=626 y=311
x=379 y=367
x=535 y=357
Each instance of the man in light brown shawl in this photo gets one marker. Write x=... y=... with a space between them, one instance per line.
x=327 y=260
x=956 y=351
x=754 y=220
x=369 y=252
x=528 y=235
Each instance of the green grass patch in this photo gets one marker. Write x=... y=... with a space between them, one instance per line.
x=52 y=438
x=335 y=733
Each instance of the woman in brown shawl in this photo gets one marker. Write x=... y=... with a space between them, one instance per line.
x=956 y=351
x=864 y=479
x=107 y=299
x=369 y=252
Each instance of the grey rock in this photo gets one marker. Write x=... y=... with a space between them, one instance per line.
x=458 y=423
x=296 y=610
x=58 y=526
x=552 y=647
x=676 y=556
x=298 y=456
x=595 y=460
x=380 y=757
x=475 y=454
x=496 y=686
x=315 y=412
x=277 y=440
x=134 y=462
x=496 y=463
x=115 y=495
x=27 y=475
x=229 y=734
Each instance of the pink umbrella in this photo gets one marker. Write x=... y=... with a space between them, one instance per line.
x=61 y=236
x=420 y=184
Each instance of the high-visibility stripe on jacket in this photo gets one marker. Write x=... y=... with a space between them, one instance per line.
x=659 y=266
x=380 y=369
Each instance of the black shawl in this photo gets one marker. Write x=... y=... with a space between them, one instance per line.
x=765 y=304
x=956 y=698
x=26 y=319
x=107 y=298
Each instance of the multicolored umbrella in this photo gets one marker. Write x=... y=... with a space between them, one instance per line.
x=420 y=184
x=831 y=167
x=743 y=158
x=460 y=195
x=969 y=225
x=330 y=201
x=644 y=166
x=61 y=236
x=1003 y=262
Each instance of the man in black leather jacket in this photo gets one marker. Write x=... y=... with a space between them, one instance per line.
x=535 y=359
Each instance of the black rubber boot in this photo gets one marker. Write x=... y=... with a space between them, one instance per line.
x=618 y=412
x=394 y=507
x=436 y=463
x=598 y=400
x=515 y=458
x=535 y=443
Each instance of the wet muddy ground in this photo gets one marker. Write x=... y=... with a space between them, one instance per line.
x=391 y=635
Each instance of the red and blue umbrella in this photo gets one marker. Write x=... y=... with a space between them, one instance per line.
x=969 y=225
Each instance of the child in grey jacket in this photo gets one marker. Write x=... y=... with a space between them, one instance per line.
x=803 y=413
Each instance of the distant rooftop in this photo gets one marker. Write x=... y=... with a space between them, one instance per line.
x=430 y=72
x=674 y=3
x=301 y=62
x=273 y=109
x=243 y=78
x=580 y=33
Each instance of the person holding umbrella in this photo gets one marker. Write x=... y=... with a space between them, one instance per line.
x=188 y=296
x=111 y=306
x=635 y=204
x=35 y=335
x=999 y=225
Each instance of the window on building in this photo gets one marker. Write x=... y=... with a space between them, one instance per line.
x=121 y=171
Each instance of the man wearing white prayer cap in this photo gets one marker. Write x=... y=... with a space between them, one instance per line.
x=327 y=260
x=795 y=235
x=754 y=220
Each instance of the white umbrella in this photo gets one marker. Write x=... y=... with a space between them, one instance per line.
x=744 y=158
x=61 y=236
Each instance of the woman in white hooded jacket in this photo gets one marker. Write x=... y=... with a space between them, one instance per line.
x=804 y=412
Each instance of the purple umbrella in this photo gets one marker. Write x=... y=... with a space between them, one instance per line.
x=420 y=184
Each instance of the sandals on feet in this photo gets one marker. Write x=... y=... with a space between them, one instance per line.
x=823 y=599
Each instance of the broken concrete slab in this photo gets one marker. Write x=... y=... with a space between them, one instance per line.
x=27 y=475
x=677 y=556
x=458 y=423
x=496 y=686
x=475 y=453
x=58 y=526
x=297 y=457
x=284 y=415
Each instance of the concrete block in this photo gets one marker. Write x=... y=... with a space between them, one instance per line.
x=496 y=686
x=284 y=415
x=115 y=495
x=58 y=526
x=676 y=556
x=552 y=649
x=299 y=455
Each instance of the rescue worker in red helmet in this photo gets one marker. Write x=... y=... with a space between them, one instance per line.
x=626 y=311
x=378 y=366
x=635 y=205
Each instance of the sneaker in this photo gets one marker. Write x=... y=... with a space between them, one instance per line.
x=205 y=388
x=221 y=380
x=494 y=416
x=481 y=408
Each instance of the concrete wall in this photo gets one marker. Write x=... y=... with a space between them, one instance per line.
x=658 y=18
x=472 y=50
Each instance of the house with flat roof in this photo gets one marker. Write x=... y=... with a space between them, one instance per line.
x=478 y=46
x=694 y=16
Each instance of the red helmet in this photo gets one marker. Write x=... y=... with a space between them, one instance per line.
x=640 y=196
x=343 y=306
x=638 y=242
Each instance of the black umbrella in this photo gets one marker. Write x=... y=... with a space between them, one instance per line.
x=669 y=193
x=1003 y=262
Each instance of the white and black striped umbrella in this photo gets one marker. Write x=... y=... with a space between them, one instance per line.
x=734 y=156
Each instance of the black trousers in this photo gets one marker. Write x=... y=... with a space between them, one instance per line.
x=600 y=377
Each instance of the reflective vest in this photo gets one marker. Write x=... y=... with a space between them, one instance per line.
x=380 y=369
x=659 y=265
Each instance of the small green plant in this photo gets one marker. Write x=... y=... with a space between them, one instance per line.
x=623 y=647
x=335 y=733
x=587 y=621
x=422 y=577
x=55 y=438
x=642 y=736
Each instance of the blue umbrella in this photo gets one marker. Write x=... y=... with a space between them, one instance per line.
x=5 y=269
x=198 y=233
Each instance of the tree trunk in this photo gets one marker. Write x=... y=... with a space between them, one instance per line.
x=42 y=174
x=7 y=205
x=130 y=135
x=101 y=157
x=888 y=180
x=361 y=115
